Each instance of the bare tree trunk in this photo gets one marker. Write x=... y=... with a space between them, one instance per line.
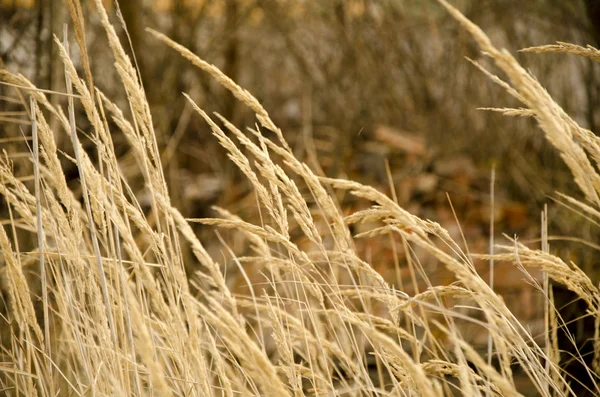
x=231 y=55
x=39 y=43
x=592 y=85
x=593 y=10
x=131 y=11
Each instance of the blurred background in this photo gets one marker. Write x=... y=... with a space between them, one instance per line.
x=353 y=84
x=358 y=87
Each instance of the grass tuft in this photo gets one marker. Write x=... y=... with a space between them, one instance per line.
x=113 y=309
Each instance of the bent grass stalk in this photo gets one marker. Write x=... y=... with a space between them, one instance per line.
x=142 y=326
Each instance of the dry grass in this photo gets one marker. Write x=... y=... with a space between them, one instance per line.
x=120 y=316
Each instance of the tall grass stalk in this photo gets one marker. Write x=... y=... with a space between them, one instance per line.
x=321 y=320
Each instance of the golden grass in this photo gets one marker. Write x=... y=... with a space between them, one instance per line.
x=120 y=316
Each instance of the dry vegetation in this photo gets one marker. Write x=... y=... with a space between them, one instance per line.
x=120 y=297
